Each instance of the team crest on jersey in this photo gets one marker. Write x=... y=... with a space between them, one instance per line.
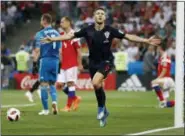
x=107 y=34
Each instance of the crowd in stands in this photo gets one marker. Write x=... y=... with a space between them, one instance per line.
x=141 y=18
x=19 y=12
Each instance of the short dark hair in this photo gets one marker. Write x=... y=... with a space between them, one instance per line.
x=68 y=19
x=47 y=17
x=164 y=44
x=100 y=8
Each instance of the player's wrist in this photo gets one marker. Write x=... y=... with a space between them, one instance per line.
x=145 y=40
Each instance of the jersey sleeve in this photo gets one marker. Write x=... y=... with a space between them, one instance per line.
x=80 y=33
x=117 y=33
x=76 y=43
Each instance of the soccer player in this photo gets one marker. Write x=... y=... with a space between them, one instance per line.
x=163 y=83
x=99 y=39
x=29 y=94
x=71 y=61
x=49 y=61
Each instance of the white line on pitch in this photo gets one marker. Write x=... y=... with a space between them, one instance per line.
x=128 y=106
x=153 y=130
x=18 y=105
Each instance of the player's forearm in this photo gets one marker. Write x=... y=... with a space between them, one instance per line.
x=62 y=38
x=135 y=38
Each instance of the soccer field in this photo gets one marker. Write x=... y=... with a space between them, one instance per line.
x=130 y=112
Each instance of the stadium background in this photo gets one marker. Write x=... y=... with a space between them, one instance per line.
x=20 y=21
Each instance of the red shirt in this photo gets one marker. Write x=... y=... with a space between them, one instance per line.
x=164 y=62
x=69 y=53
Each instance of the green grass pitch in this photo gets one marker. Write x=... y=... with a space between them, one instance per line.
x=130 y=112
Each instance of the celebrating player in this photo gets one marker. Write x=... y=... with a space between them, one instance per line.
x=71 y=61
x=163 y=83
x=49 y=62
x=99 y=39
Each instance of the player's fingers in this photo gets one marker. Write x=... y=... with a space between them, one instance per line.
x=44 y=40
x=156 y=41
x=153 y=43
x=152 y=37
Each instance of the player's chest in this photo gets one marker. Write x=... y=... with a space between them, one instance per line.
x=100 y=37
x=67 y=44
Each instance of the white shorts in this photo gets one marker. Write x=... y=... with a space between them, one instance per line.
x=68 y=75
x=168 y=83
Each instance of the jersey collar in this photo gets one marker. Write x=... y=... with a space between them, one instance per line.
x=48 y=27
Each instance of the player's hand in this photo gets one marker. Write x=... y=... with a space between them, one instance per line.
x=153 y=41
x=80 y=68
x=46 y=39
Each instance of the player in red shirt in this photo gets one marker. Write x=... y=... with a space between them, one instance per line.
x=163 y=83
x=70 y=63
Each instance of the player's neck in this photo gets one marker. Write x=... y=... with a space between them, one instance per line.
x=67 y=30
x=99 y=27
x=47 y=25
x=162 y=53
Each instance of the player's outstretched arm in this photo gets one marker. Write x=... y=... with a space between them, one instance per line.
x=59 y=38
x=152 y=41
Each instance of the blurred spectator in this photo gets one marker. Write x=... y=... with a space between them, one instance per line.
x=22 y=58
x=81 y=5
x=142 y=18
x=133 y=52
x=148 y=61
x=89 y=18
x=23 y=5
x=5 y=65
x=12 y=9
x=5 y=52
x=64 y=8
x=3 y=31
x=46 y=7
x=80 y=22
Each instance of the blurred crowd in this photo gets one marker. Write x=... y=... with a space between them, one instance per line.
x=144 y=19
x=141 y=18
x=14 y=13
